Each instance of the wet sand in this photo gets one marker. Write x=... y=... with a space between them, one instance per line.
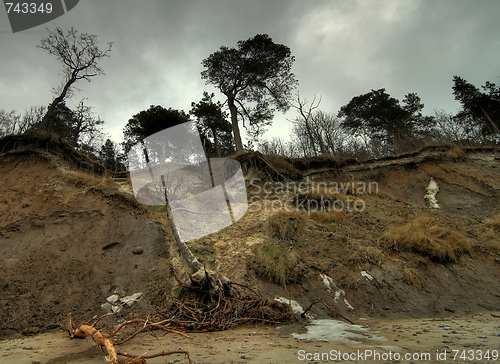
x=371 y=341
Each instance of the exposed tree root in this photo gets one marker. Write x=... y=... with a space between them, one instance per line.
x=220 y=304
x=272 y=168
x=107 y=346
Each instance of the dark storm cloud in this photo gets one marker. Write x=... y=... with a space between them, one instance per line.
x=401 y=46
x=342 y=49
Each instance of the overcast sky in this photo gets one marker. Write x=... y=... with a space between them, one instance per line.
x=343 y=48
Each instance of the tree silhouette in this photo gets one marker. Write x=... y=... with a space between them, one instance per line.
x=212 y=124
x=149 y=122
x=80 y=57
x=382 y=118
x=255 y=77
x=481 y=107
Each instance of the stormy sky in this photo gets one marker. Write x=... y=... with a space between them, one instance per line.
x=343 y=48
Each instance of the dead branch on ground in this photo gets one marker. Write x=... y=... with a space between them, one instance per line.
x=333 y=312
x=216 y=304
x=108 y=347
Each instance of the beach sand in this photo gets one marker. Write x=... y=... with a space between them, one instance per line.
x=370 y=341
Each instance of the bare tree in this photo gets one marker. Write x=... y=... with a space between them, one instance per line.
x=293 y=148
x=32 y=117
x=8 y=122
x=13 y=123
x=304 y=140
x=454 y=129
x=275 y=146
x=300 y=143
x=85 y=125
x=281 y=147
x=80 y=57
x=305 y=110
x=327 y=131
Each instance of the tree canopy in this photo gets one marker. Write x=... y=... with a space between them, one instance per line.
x=212 y=124
x=255 y=77
x=382 y=117
x=149 y=122
x=76 y=126
x=480 y=107
x=110 y=157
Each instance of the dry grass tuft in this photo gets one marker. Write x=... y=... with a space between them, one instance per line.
x=410 y=276
x=455 y=153
x=325 y=193
x=106 y=183
x=276 y=262
x=367 y=254
x=84 y=179
x=424 y=236
x=80 y=178
x=489 y=235
x=450 y=150
x=349 y=278
x=327 y=217
x=493 y=222
x=287 y=225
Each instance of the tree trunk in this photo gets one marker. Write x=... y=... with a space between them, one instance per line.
x=491 y=121
x=52 y=107
x=234 y=121
x=322 y=143
x=311 y=139
x=216 y=142
x=190 y=258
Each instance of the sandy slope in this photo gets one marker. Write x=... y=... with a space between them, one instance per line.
x=69 y=240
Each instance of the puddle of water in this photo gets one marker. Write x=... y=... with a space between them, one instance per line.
x=335 y=331
x=389 y=348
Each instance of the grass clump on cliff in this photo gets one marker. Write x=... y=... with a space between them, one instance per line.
x=424 y=236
